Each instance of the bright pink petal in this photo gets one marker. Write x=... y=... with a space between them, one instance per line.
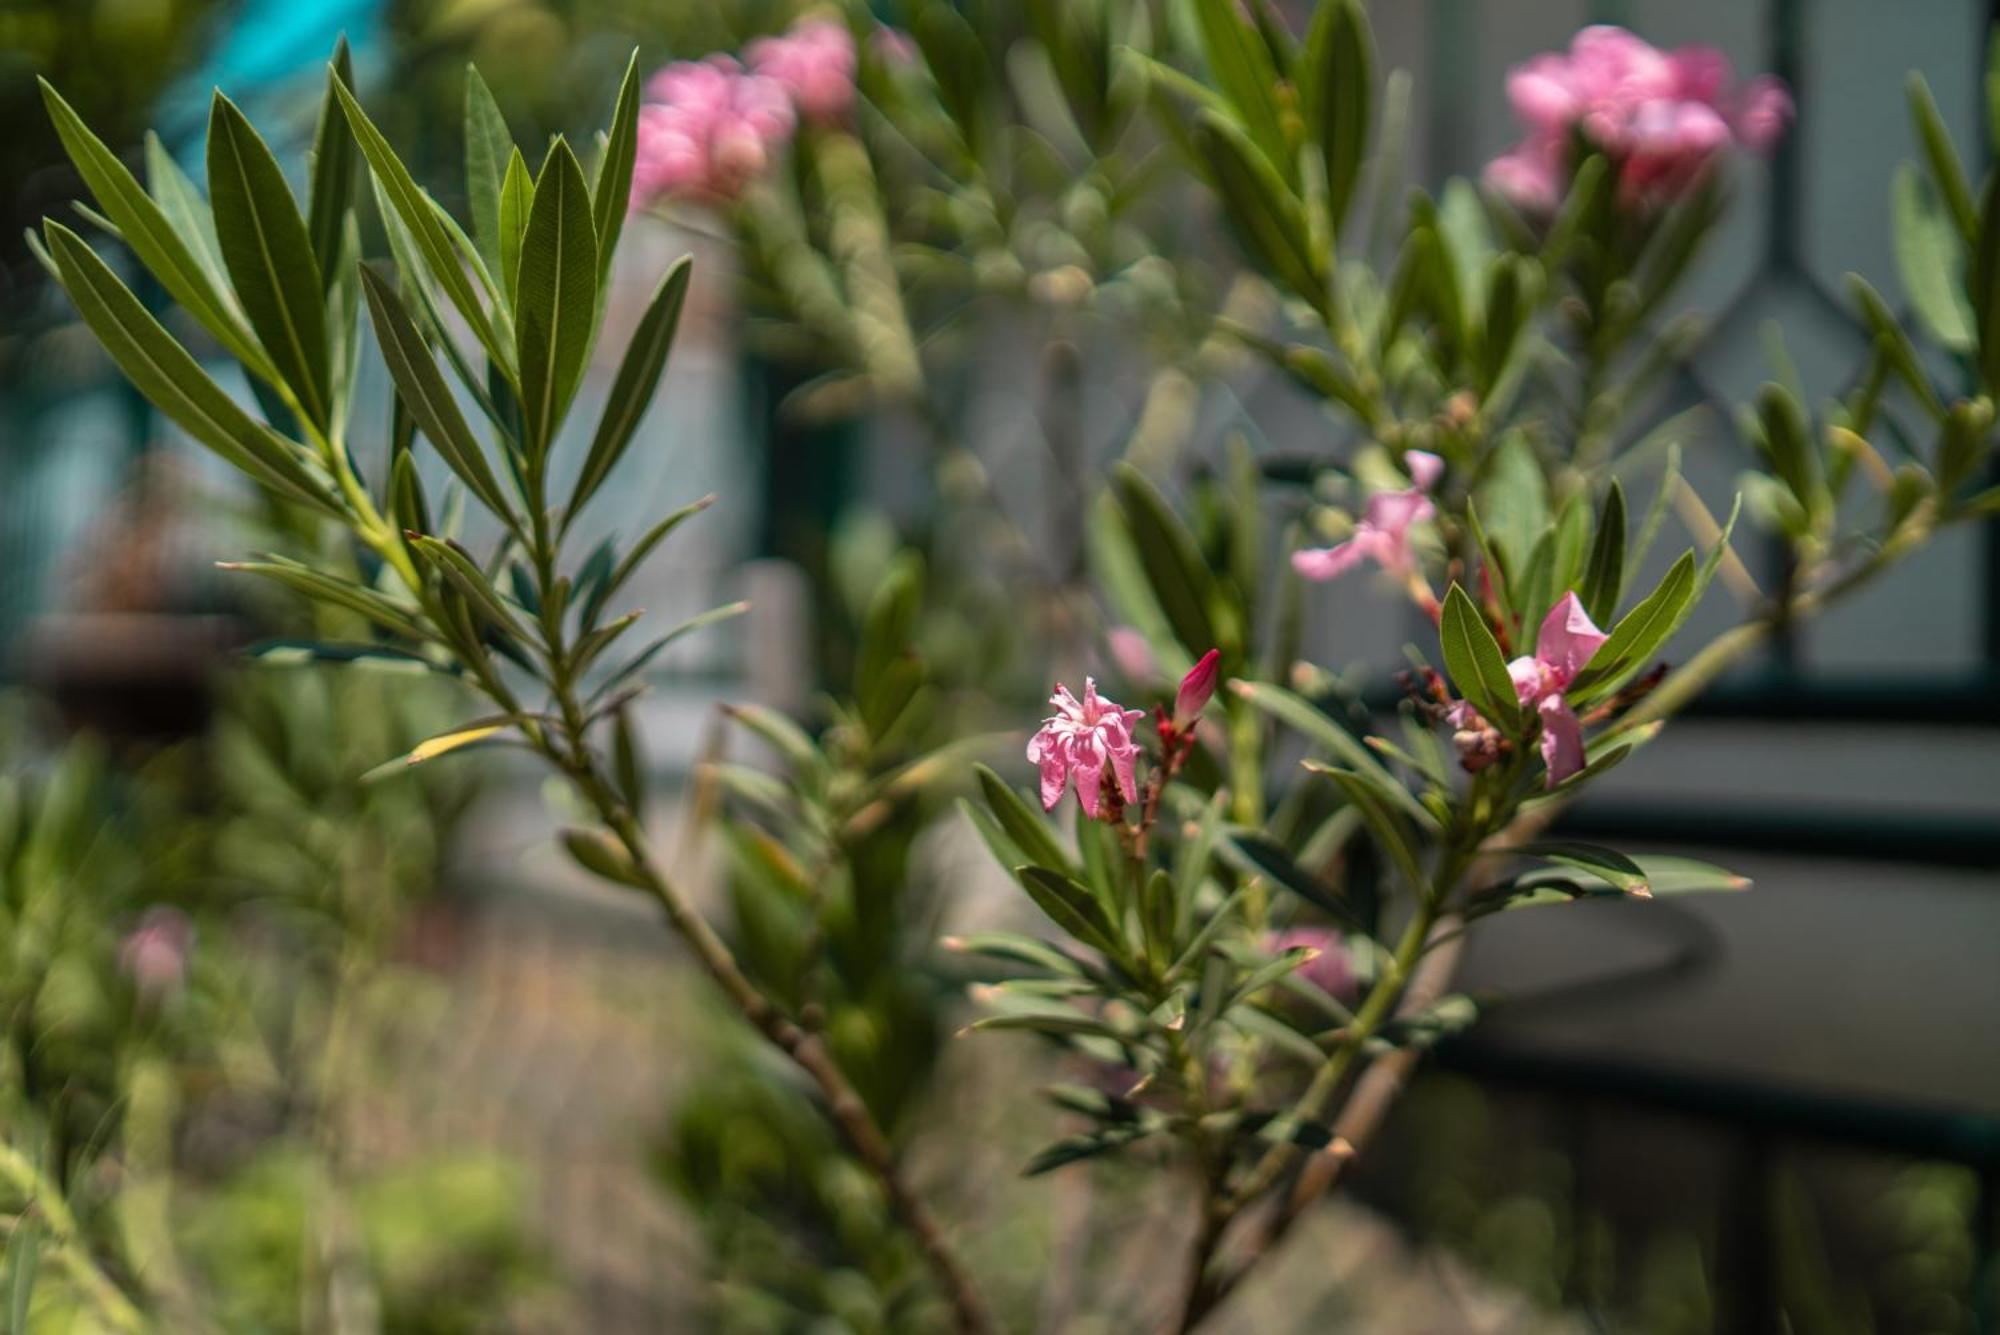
x=1531 y=679
x=1567 y=639
x=1393 y=512
x=1088 y=771
x=1562 y=739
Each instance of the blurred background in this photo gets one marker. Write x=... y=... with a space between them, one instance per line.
x=1778 y=1111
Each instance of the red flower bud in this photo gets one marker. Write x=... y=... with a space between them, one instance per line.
x=1196 y=687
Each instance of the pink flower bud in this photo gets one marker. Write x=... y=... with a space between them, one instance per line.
x=1196 y=688
x=1133 y=654
x=154 y=954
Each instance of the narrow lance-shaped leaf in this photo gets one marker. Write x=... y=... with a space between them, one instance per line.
x=556 y=303
x=489 y=146
x=269 y=256
x=1638 y=635
x=1241 y=66
x=1930 y=260
x=612 y=192
x=1473 y=659
x=1986 y=284
x=1339 y=79
x=333 y=161
x=146 y=229
x=171 y=379
x=423 y=390
x=428 y=237
x=517 y=200
x=632 y=391
x=1261 y=208
x=1942 y=158
x=1604 y=573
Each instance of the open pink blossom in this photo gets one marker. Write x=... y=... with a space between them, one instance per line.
x=707 y=130
x=1382 y=536
x=1660 y=116
x=1078 y=741
x=1567 y=640
x=815 y=63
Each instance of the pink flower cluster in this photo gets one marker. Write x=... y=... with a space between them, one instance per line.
x=1660 y=116
x=815 y=64
x=1563 y=646
x=1383 y=535
x=1082 y=737
x=710 y=127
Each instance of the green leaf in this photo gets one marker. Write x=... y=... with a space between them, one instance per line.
x=1262 y=856
x=1474 y=662
x=145 y=228
x=1088 y=1145
x=173 y=381
x=1367 y=797
x=1638 y=635
x=1604 y=573
x=1942 y=159
x=629 y=566
x=1322 y=730
x=1514 y=504
x=1606 y=864
x=269 y=255
x=1337 y=97
x=463 y=574
x=1894 y=344
x=329 y=589
x=1929 y=260
x=599 y=855
x=1011 y=946
x=330 y=198
x=429 y=400
x=1180 y=578
x=1986 y=284
x=489 y=146
x=555 y=309
x=1262 y=210
x=1788 y=443
x=517 y=201
x=1021 y=823
x=427 y=236
x=1071 y=907
x=1240 y=64
x=632 y=391
x=611 y=196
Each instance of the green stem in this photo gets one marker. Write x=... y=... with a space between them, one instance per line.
x=110 y=1302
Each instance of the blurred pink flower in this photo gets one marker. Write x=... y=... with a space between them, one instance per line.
x=1078 y=741
x=1332 y=970
x=1425 y=468
x=154 y=954
x=1660 y=116
x=1567 y=640
x=708 y=129
x=1196 y=688
x=1382 y=536
x=1133 y=654
x=815 y=64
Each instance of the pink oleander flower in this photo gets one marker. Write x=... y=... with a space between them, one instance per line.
x=707 y=130
x=1565 y=643
x=1660 y=116
x=815 y=64
x=1196 y=688
x=1332 y=970
x=1078 y=741
x=1382 y=536
x=154 y=954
